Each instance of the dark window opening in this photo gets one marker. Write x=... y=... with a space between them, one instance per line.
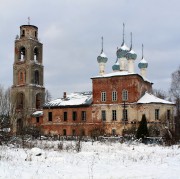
x=74 y=115
x=113 y=132
x=156 y=114
x=168 y=114
x=65 y=116
x=103 y=115
x=36 y=75
x=35 y=33
x=23 y=33
x=36 y=54
x=64 y=132
x=22 y=54
x=114 y=117
x=125 y=114
x=37 y=119
x=49 y=116
x=73 y=132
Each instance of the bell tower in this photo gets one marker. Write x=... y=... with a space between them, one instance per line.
x=27 y=92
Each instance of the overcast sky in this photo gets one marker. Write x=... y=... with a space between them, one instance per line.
x=71 y=31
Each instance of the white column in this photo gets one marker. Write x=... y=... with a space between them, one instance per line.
x=131 y=66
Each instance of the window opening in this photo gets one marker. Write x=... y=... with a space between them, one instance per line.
x=125 y=114
x=74 y=115
x=114 y=96
x=36 y=77
x=103 y=115
x=114 y=115
x=103 y=96
x=156 y=114
x=65 y=116
x=83 y=115
x=50 y=116
x=64 y=132
x=124 y=95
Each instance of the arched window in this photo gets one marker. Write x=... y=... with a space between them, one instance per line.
x=20 y=101
x=124 y=95
x=38 y=101
x=36 y=77
x=21 y=77
x=22 y=33
x=22 y=54
x=36 y=54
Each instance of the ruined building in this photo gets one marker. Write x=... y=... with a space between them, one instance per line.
x=27 y=91
x=117 y=101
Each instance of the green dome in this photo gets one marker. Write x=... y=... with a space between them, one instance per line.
x=122 y=51
x=143 y=64
x=131 y=55
x=116 y=67
x=102 y=58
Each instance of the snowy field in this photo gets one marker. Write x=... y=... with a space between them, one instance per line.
x=100 y=160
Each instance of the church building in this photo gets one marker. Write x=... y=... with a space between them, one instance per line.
x=115 y=104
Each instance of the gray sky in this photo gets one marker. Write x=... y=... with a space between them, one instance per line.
x=71 y=31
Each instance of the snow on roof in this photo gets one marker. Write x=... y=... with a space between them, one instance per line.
x=119 y=73
x=143 y=61
x=103 y=55
x=37 y=113
x=132 y=51
x=73 y=99
x=124 y=47
x=150 y=98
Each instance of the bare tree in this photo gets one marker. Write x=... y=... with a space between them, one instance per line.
x=175 y=93
x=160 y=93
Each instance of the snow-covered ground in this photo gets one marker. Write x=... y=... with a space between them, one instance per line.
x=100 y=160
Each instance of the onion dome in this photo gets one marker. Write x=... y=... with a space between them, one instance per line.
x=122 y=51
x=116 y=67
x=102 y=58
x=143 y=64
x=131 y=55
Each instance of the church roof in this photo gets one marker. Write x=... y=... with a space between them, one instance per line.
x=119 y=73
x=150 y=98
x=73 y=99
x=37 y=113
